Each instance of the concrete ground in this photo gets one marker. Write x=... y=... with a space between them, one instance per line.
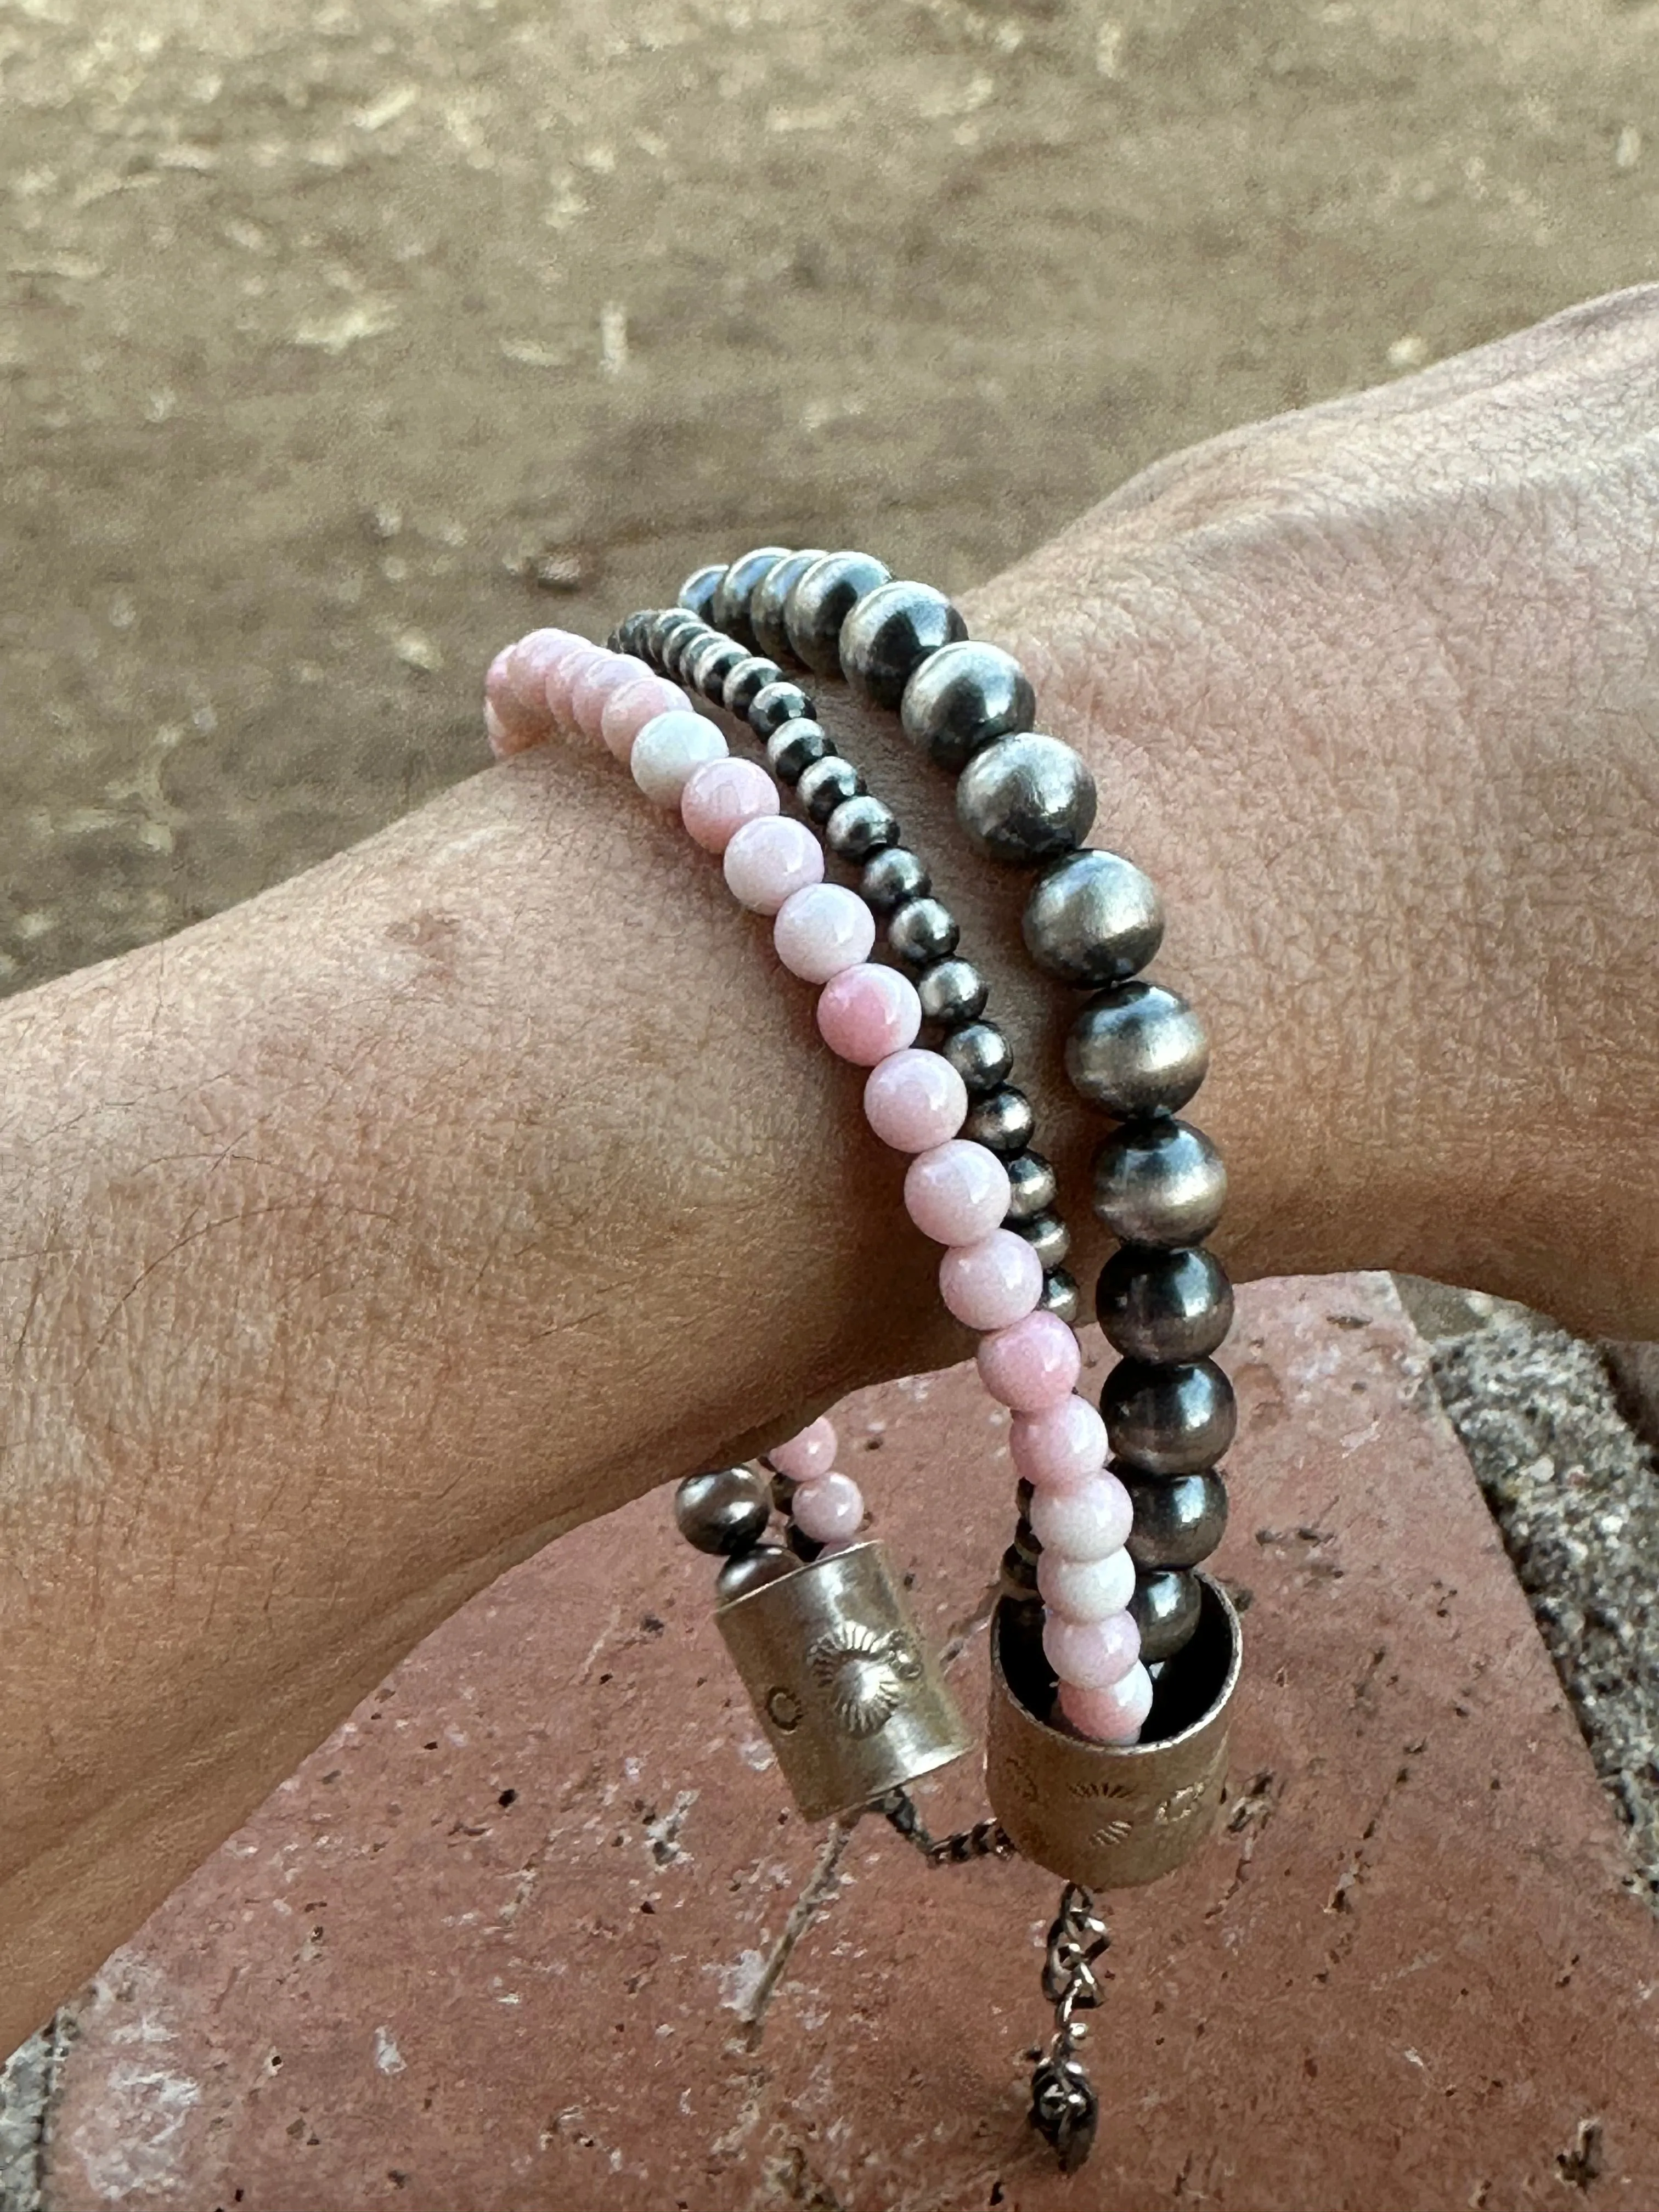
x=342 y=341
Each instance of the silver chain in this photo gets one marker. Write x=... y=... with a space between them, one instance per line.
x=1065 y=2108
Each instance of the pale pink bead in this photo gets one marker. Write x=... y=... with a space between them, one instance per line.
x=520 y=726
x=830 y=1508
x=1060 y=1447
x=768 y=861
x=668 y=752
x=629 y=709
x=1092 y=1654
x=991 y=1284
x=1084 y=1523
x=720 y=796
x=501 y=739
x=914 y=1100
x=867 y=1012
x=957 y=1193
x=561 y=677
x=822 y=930
x=1086 y=1589
x=531 y=660
x=1032 y=1364
x=597 y=685
x=812 y=1453
x=1115 y=1715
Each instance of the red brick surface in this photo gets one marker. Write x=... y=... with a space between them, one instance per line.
x=1405 y=1974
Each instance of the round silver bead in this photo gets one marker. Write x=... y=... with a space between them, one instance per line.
x=893 y=876
x=745 y=683
x=681 y=644
x=922 y=931
x=1159 y=1182
x=766 y=603
x=630 y=632
x=822 y=788
x=1047 y=1235
x=951 y=992
x=1003 y=1123
x=961 y=697
x=792 y=749
x=767 y=1563
x=1179 y=1519
x=820 y=600
x=724 y=1512
x=1032 y=1184
x=1168 y=1420
x=696 y=593
x=1092 y=918
x=729 y=609
x=889 y=633
x=1165 y=1609
x=1023 y=799
x=860 y=826
x=1060 y=1294
x=980 y=1054
x=774 y=704
x=666 y=624
x=1165 y=1307
x=706 y=665
x=1136 y=1048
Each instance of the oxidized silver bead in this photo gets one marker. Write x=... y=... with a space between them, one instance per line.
x=752 y=1571
x=889 y=633
x=1092 y=918
x=1047 y=1235
x=1017 y=1575
x=679 y=647
x=1136 y=1048
x=696 y=593
x=922 y=931
x=1159 y=1182
x=1165 y=1609
x=823 y=786
x=1002 y=1123
x=746 y=682
x=1023 y=799
x=795 y=746
x=891 y=878
x=709 y=663
x=961 y=697
x=1179 y=1519
x=1032 y=1185
x=1168 y=1420
x=1060 y=1294
x=819 y=601
x=951 y=992
x=981 y=1055
x=630 y=632
x=729 y=610
x=766 y=603
x=774 y=704
x=725 y=1511
x=1164 y=1308
x=667 y=623
x=860 y=826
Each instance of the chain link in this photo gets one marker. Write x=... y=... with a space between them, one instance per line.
x=1065 y=2109
x=984 y=1840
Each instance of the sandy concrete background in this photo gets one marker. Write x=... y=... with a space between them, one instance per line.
x=341 y=342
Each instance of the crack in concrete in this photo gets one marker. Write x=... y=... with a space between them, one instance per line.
x=820 y=1886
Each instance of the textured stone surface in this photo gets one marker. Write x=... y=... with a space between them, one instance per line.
x=534 y=1929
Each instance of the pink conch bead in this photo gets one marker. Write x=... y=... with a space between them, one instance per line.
x=598 y=684
x=518 y=726
x=1084 y=1523
x=915 y=1100
x=830 y=1508
x=501 y=739
x=1060 y=1447
x=957 y=1193
x=823 y=929
x=1032 y=1364
x=1086 y=1589
x=993 y=1283
x=813 y=1452
x=867 y=1012
x=562 y=678
x=531 y=660
x=720 y=796
x=767 y=861
x=632 y=706
x=1092 y=1654
x=1114 y=1715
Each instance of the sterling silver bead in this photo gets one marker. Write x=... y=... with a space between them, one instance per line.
x=1032 y=1186
x=820 y=600
x=1136 y=1048
x=1002 y=1123
x=1023 y=799
x=1159 y=1182
x=630 y=632
x=705 y=665
x=980 y=1054
x=766 y=605
x=1179 y=1519
x=860 y=826
x=1047 y=1235
x=822 y=788
x=1165 y=1608
x=792 y=749
x=1164 y=1308
x=891 y=878
x=696 y=593
x=889 y=633
x=774 y=704
x=1060 y=1294
x=746 y=682
x=922 y=931
x=1093 y=918
x=752 y=1571
x=961 y=697
x=951 y=992
x=1168 y=1420
x=724 y=1512
x=729 y=610
x=681 y=644
x=667 y=623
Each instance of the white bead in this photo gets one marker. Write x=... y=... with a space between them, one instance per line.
x=1086 y=1589
x=823 y=929
x=1084 y=1523
x=666 y=751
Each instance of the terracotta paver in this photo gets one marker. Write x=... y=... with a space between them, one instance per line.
x=534 y=1929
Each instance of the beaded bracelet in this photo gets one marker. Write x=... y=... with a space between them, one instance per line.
x=1137 y=1051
